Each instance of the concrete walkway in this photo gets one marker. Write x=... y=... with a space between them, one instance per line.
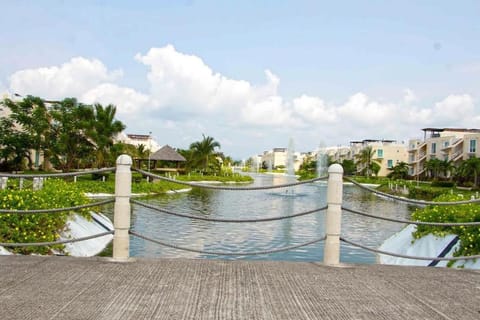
x=95 y=288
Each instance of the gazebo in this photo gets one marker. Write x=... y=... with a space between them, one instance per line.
x=166 y=156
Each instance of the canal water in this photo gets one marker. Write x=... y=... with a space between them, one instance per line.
x=260 y=236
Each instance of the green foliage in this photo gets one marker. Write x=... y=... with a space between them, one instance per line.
x=202 y=156
x=425 y=192
x=399 y=171
x=38 y=227
x=469 y=236
x=349 y=167
x=69 y=134
x=443 y=184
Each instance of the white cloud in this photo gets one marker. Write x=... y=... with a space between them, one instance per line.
x=186 y=83
x=71 y=79
x=127 y=100
x=454 y=109
x=314 y=110
x=187 y=98
x=359 y=110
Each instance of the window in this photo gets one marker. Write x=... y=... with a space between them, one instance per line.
x=389 y=163
x=445 y=144
x=434 y=148
x=380 y=153
x=473 y=146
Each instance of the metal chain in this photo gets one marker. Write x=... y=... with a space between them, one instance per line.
x=184 y=215
x=440 y=224
x=221 y=253
x=53 y=175
x=39 y=244
x=204 y=186
x=407 y=256
x=89 y=205
x=412 y=201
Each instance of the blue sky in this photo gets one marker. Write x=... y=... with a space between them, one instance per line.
x=252 y=74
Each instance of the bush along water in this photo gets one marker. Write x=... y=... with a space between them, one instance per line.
x=40 y=227
x=469 y=236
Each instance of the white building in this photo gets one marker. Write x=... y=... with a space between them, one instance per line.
x=138 y=139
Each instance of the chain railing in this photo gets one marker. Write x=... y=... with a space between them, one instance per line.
x=122 y=209
x=332 y=238
x=414 y=222
x=54 y=210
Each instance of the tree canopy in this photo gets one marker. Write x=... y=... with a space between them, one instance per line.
x=69 y=134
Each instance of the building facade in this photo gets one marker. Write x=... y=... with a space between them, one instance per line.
x=450 y=144
x=387 y=153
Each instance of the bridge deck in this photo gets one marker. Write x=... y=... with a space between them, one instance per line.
x=95 y=288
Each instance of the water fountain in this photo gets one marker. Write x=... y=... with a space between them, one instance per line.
x=290 y=167
x=322 y=161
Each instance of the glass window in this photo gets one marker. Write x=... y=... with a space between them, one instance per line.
x=389 y=163
x=434 y=147
x=473 y=146
x=380 y=153
x=446 y=144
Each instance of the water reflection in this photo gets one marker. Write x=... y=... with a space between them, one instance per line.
x=213 y=236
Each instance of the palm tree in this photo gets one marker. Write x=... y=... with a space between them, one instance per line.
x=399 y=171
x=470 y=167
x=447 y=168
x=365 y=158
x=434 y=166
x=202 y=151
x=104 y=128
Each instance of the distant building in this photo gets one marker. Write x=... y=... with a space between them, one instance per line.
x=451 y=144
x=138 y=139
x=278 y=158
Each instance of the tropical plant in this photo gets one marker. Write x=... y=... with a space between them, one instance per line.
x=470 y=168
x=365 y=159
x=433 y=167
x=399 y=171
x=349 y=167
x=203 y=153
x=102 y=129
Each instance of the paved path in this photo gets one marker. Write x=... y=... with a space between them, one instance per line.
x=95 y=288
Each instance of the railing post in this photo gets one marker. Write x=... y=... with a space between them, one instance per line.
x=121 y=222
x=331 y=253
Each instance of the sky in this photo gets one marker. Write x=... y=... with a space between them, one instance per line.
x=252 y=74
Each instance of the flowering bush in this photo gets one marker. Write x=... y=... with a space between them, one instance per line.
x=469 y=236
x=41 y=227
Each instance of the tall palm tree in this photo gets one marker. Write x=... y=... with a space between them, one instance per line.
x=447 y=168
x=202 y=151
x=434 y=166
x=104 y=128
x=365 y=159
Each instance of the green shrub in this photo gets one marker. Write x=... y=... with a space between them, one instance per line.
x=425 y=192
x=469 y=236
x=443 y=184
x=38 y=227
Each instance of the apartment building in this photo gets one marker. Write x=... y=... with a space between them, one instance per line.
x=387 y=153
x=451 y=144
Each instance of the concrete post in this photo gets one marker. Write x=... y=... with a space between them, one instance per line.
x=331 y=253
x=121 y=222
x=3 y=183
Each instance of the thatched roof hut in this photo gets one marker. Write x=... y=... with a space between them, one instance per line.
x=167 y=153
x=166 y=157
